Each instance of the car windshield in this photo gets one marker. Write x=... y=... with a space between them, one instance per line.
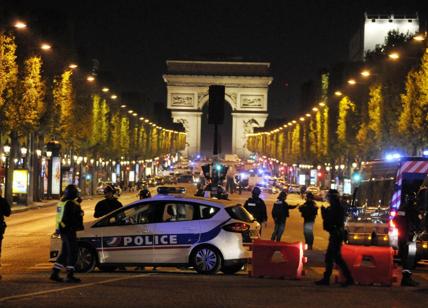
x=238 y=212
x=374 y=193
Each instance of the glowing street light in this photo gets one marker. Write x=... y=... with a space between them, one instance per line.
x=419 y=37
x=315 y=109
x=130 y=111
x=308 y=115
x=352 y=81
x=20 y=25
x=90 y=78
x=72 y=66
x=365 y=73
x=105 y=89
x=394 y=56
x=114 y=96
x=338 y=93
x=122 y=106
x=322 y=104
x=302 y=119
x=45 y=47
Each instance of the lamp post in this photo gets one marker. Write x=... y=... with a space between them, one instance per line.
x=6 y=150
x=49 y=156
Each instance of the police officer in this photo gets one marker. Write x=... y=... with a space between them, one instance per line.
x=309 y=212
x=409 y=218
x=333 y=223
x=4 y=211
x=144 y=193
x=109 y=204
x=280 y=212
x=256 y=206
x=69 y=219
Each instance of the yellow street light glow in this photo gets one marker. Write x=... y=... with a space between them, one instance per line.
x=72 y=66
x=122 y=106
x=105 y=90
x=135 y=114
x=315 y=109
x=90 y=78
x=308 y=115
x=141 y=118
x=285 y=125
x=352 y=81
x=130 y=111
x=322 y=104
x=20 y=25
x=302 y=119
x=45 y=46
x=294 y=121
x=394 y=56
x=114 y=96
x=419 y=38
x=338 y=93
x=153 y=124
x=146 y=121
x=365 y=73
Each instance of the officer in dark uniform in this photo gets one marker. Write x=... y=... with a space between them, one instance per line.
x=109 y=204
x=144 y=193
x=69 y=219
x=4 y=211
x=333 y=223
x=257 y=207
x=410 y=221
x=309 y=212
x=280 y=213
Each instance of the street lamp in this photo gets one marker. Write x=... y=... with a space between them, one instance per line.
x=394 y=55
x=6 y=150
x=20 y=25
x=45 y=47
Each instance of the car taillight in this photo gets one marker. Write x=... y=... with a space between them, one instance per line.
x=237 y=227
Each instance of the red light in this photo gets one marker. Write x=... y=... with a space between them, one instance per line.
x=237 y=227
x=319 y=174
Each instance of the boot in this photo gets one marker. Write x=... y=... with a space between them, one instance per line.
x=407 y=280
x=323 y=282
x=71 y=278
x=55 y=275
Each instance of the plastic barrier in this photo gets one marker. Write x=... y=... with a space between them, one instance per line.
x=277 y=259
x=369 y=264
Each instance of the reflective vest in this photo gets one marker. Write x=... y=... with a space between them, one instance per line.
x=59 y=213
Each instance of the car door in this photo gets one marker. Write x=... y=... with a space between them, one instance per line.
x=176 y=233
x=127 y=234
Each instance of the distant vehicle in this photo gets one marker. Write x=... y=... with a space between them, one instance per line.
x=102 y=185
x=294 y=189
x=167 y=230
x=185 y=178
x=316 y=191
x=379 y=199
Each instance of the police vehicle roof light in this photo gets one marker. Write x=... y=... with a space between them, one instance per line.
x=425 y=152
x=392 y=156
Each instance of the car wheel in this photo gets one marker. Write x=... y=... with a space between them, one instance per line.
x=232 y=269
x=86 y=260
x=206 y=260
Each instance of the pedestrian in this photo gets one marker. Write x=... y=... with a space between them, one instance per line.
x=144 y=193
x=4 y=211
x=410 y=219
x=309 y=212
x=302 y=191
x=109 y=204
x=257 y=207
x=280 y=212
x=334 y=224
x=69 y=220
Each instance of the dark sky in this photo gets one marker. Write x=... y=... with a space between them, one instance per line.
x=133 y=39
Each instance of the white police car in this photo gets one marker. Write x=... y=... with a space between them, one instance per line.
x=167 y=231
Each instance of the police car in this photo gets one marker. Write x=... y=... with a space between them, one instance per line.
x=167 y=230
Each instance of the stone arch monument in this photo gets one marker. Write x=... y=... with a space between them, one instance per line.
x=246 y=90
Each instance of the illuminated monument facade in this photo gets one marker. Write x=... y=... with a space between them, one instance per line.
x=246 y=91
x=375 y=29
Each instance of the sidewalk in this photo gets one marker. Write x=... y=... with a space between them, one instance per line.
x=36 y=205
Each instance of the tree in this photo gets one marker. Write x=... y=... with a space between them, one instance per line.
x=64 y=101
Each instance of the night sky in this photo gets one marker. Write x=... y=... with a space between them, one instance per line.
x=133 y=39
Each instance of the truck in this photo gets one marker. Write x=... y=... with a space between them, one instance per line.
x=384 y=186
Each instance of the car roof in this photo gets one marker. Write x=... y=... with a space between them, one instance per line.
x=179 y=197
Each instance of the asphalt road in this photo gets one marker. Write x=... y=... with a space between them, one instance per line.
x=26 y=270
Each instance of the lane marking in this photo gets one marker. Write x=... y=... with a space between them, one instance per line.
x=8 y=298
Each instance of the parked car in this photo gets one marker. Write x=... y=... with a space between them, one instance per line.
x=294 y=188
x=316 y=191
x=167 y=230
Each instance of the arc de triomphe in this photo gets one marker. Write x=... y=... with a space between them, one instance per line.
x=246 y=90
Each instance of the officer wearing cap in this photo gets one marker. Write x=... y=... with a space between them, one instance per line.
x=257 y=207
x=144 y=193
x=334 y=224
x=109 y=204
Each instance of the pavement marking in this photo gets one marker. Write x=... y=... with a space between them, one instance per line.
x=8 y=298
